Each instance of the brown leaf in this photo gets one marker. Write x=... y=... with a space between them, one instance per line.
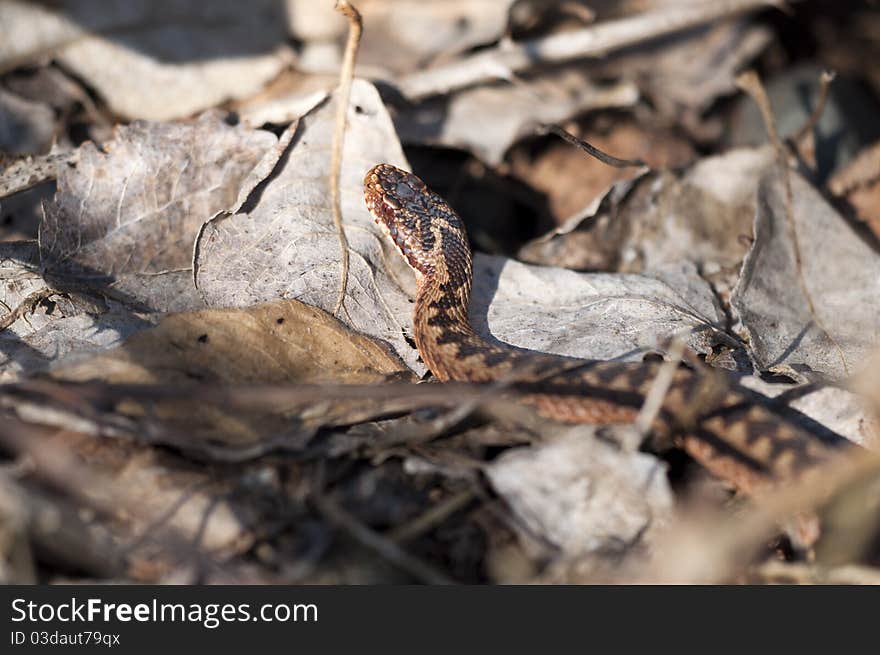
x=280 y=342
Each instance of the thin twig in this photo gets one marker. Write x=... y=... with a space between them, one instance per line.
x=26 y=306
x=751 y=84
x=659 y=387
x=433 y=517
x=824 y=83
x=379 y=544
x=402 y=396
x=355 y=27
x=590 y=149
x=594 y=41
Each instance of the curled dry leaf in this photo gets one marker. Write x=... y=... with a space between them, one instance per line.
x=124 y=220
x=154 y=60
x=695 y=68
x=588 y=240
x=840 y=270
x=573 y=182
x=584 y=495
x=701 y=216
x=487 y=120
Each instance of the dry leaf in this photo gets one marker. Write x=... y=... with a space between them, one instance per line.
x=404 y=35
x=698 y=67
x=583 y=494
x=124 y=219
x=280 y=342
x=284 y=245
x=57 y=328
x=284 y=342
x=155 y=60
x=700 y=216
x=163 y=503
x=487 y=120
x=840 y=271
x=593 y=316
x=573 y=181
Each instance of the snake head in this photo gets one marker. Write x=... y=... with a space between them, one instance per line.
x=419 y=222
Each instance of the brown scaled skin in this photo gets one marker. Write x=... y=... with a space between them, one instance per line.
x=722 y=427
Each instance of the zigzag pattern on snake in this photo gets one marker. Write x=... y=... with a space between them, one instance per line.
x=722 y=427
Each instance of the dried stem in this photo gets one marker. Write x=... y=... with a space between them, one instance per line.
x=659 y=388
x=379 y=544
x=590 y=149
x=751 y=84
x=355 y=28
x=824 y=83
x=433 y=517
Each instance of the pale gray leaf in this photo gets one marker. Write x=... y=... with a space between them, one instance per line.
x=124 y=220
x=284 y=243
x=153 y=59
x=583 y=494
x=593 y=315
x=840 y=271
x=35 y=341
x=487 y=120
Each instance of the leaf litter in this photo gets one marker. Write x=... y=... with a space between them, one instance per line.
x=167 y=327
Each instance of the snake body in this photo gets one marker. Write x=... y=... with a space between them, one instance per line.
x=720 y=425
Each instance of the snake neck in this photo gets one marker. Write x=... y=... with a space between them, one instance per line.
x=443 y=332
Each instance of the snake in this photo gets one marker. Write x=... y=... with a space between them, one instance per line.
x=722 y=426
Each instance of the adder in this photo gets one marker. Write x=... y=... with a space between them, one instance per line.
x=724 y=428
